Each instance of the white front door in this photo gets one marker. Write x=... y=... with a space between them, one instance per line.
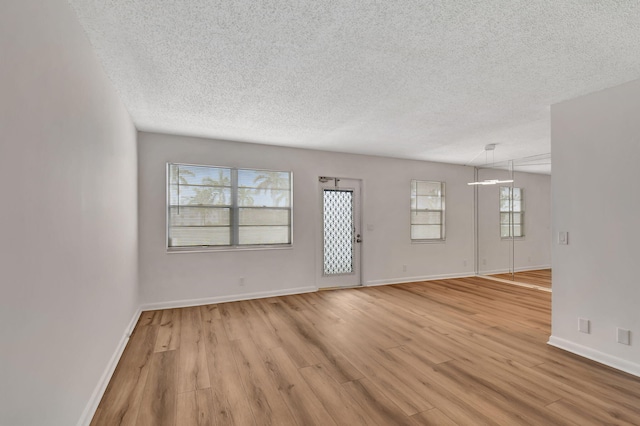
x=340 y=233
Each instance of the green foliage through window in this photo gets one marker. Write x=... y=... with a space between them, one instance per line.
x=220 y=206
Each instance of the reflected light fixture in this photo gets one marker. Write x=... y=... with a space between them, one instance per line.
x=491 y=147
x=490 y=182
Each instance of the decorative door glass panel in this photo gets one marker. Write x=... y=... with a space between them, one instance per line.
x=338 y=231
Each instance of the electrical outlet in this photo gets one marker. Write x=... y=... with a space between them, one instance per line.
x=584 y=325
x=624 y=336
x=404 y=268
x=241 y=282
x=464 y=262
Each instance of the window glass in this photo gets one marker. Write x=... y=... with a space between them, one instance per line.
x=427 y=210
x=511 y=212
x=219 y=206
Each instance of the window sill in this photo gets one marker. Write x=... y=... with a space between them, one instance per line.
x=205 y=249
x=428 y=241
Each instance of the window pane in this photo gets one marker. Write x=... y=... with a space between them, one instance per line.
x=505 y=205
x=518 y=218
x=517 y=206
x=266 y=188
x=426 y=232
x=264 y=216
x=504 y=192
x=199 y=216
x=517 y=193
x=262 y=179
x=263 y=235
x=199 y=185
x=504 y=218
x=199 y=236
x=199 y=175
x=505 y=231
x=247 y=197
x=429 y=203
x=517 y=231
x=426 y=218
x=200 y=195
x=272 y=198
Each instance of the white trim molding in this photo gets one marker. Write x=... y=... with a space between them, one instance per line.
x=595 y=355
x=517 y=283
x=402 y=280
x=98 y=392
x=229 y=298
x=506 y=271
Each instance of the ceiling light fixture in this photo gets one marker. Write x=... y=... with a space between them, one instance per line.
x=491 y=147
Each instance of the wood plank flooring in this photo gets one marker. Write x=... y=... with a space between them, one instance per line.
x=454 y=352
x=539 y=277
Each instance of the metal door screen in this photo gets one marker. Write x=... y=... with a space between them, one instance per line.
x=338 y=231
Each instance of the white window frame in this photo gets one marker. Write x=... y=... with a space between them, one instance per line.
x=234 y=212
x=509 y=212
x=414 y=211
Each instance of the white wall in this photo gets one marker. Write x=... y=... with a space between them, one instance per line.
x=169 y=277
x=596 y=151
x=68 y=220
x=533 y=251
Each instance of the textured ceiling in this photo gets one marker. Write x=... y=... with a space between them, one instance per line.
x=420 y=79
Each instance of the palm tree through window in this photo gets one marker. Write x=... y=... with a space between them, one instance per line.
x=221 y=206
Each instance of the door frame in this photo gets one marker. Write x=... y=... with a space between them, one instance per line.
x=347 y=183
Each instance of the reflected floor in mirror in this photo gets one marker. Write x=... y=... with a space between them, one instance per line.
x=538 y=277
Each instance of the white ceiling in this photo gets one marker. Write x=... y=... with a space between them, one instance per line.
x=420 y=79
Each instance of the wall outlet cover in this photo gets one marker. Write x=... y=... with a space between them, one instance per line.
x=624 y=336
x=583 y=325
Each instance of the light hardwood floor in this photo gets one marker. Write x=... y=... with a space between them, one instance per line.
x=539 y=277
x=463 y=351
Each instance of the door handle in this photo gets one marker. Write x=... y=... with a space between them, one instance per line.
x=358 y=239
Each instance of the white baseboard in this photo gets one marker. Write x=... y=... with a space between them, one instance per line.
x=595 y=355
x=222 y=299
x=92 y=405
x=373 y=283
x=516 y=283
x=521 y=269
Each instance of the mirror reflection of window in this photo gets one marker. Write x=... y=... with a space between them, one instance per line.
x=511 y=212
